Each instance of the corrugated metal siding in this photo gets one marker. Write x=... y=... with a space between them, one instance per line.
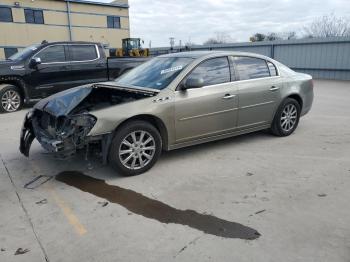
x=321 y=58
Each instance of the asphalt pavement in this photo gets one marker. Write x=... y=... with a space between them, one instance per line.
x=254 y=197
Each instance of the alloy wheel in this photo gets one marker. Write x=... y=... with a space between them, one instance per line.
x=137 y=150
x=289 y=117
x=11 y=101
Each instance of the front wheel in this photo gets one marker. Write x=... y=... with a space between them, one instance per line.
x=11 y=99
x=287 y=118
x=135 y=148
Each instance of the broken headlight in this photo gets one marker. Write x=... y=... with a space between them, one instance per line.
x=75 y=126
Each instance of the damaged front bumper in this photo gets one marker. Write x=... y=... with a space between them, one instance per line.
x=62 y=135
x=62 y=122
x=27 y=134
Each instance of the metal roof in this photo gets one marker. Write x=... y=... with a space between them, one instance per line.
x=213 y=53
x=112 y=4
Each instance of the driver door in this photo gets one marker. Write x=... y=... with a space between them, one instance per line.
x=211 y=109
x=52 y=75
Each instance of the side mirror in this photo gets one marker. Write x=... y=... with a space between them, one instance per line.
x=192 y=83
x=34 y=62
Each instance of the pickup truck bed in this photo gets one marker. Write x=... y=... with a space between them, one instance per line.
x=119 y=65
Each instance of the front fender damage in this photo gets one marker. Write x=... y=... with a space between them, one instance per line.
x=63 y=135
x=61 y=123
x=52 y=125
x=27 y=135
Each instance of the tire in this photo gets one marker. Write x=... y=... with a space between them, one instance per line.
x=10 y=99
x=287 y=118
x=126 y=150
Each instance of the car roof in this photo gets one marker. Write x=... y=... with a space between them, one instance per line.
x=69 y=42
x=205 y=54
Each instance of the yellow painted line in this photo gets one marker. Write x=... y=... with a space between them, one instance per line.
x=67 y=211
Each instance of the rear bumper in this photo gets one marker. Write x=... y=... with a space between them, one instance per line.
x=307 y=102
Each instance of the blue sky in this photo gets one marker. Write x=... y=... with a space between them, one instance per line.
x=198 y=20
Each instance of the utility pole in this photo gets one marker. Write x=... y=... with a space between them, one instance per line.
x=172 y=42
x=69 y=21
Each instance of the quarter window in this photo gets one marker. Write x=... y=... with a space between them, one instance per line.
x=272 y=68
x=34 y=16
x=82 y=52
x=113 y=22
x=9 y=51
x=6 y=14
x=213 y=71
x=251 y=68
x=52 y=54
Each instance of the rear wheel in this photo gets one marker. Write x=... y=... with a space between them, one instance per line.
x=11 y=99
x=135 y=148
x=287 y=118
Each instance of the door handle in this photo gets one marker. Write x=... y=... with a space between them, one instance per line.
x=228 y=96
x=274 y=88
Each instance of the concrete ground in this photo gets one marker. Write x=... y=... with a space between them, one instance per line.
x=294 y=191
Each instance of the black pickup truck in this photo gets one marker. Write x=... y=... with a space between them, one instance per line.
x=44 y=69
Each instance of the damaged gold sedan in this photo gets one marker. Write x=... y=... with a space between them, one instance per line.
x=169 y=102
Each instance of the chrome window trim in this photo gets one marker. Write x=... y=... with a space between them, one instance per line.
x=233 y=82
x=255 y=79
x=68 y=61
x=238 y=80
x=277 y=72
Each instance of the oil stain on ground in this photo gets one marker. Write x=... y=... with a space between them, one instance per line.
x=154 y=209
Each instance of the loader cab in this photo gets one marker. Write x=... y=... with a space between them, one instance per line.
x=130 y=44
x=130 y=47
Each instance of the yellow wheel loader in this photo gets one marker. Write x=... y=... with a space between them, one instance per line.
x=131 y=48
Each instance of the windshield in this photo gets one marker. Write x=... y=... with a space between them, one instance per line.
x=25 y=53
x=156 y=73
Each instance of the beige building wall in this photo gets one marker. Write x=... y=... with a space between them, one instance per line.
x=88 y=23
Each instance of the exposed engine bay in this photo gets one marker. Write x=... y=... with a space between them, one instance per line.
x=100 y=98
x=62 y=122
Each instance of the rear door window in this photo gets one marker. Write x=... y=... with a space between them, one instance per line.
x=251 y=67
x=213 y=71
x=52 y=54
x=82 y=52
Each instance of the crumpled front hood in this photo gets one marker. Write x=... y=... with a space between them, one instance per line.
x=64 y=102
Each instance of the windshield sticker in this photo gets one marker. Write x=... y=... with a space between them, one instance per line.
x=172 y=69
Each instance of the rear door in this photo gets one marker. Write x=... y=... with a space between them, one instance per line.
x=259 y=91
x=87 y=64
x=208 y=110
x=51 y=75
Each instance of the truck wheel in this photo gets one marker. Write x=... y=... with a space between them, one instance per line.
x=11 y=99
x=287 y=118
x=135 y=148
